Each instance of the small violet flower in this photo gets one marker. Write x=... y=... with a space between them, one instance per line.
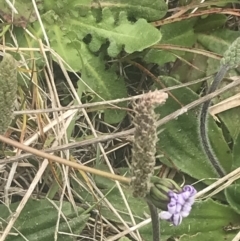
x=180 y=205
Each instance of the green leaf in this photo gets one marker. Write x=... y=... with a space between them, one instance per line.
x=68 y=49
x=123 y=34
x=179 y=33
x=104 y=82
x=150 y=10
x=193 y=69
x=205 y=222
x=37 y=221
x=124 y=239
x=180 y=139
x=107 y=187
x=236 y=153
x=206 y=218
x=210 y=23
x=232 y=194
x=218 y=41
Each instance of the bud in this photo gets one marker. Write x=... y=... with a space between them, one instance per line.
x=159 y=191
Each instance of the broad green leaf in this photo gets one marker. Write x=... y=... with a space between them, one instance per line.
x=150 y=10
x=207 y=218
x=122 y=34
x=236 y=152
x=218 y=41
x=37 y=221
x=138 y=206
x=108 y=188
x=62 y=8
x=214 y=215
x=205 y=222
x=102 y=182
x=179 y=33
x=193 y=68
x=69 y=50
x=210 y=23
x=104 y=82
x=212 y=66
x=232 y=194
x=180 y=140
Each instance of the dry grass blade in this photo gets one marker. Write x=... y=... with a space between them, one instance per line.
x=229 y=103
x=105 y=103
x=229 y=178
x=185 y=49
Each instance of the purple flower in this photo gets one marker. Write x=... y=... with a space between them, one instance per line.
x=180 y=205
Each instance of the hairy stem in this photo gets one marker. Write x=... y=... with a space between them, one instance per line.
x=203 y=122
x=155 y=220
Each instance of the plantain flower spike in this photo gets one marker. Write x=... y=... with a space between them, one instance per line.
x=144 y=142
x=8 y=90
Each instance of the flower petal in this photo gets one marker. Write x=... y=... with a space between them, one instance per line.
x=186 y=208
x=172 y=208
x=176 y=219
x=184 y=214
x=190 y=189
x=173 y=201
x=165 y=215
x=181 y=199
x=172 y=195
x=178 y=208
x=190 y=201
x=185 y=211
x=186 y=195
x=180 y=205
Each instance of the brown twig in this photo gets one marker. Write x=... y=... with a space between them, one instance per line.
x=63 y=161
x=235 y=12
